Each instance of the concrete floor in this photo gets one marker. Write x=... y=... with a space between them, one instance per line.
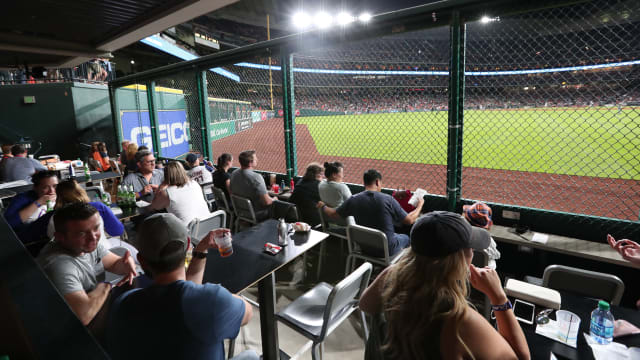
x=345 y=343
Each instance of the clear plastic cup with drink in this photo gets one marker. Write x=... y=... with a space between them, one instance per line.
x=225 y=247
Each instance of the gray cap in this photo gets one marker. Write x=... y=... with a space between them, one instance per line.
x=440 y=233
x=157 y=231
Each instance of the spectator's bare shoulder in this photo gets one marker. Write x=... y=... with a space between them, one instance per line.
x=481 y=338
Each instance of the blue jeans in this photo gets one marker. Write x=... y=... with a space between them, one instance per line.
x=400 y=242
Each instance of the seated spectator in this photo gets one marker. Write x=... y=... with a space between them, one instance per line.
x=27 y=207
x=221 y=177
x=247 y=183
x=99 y=154
x=131 y=164
x=70 y=261
x=629 y=250
x=123 y=155
x=479 y=214
x=199 y=173
x=424 y=297
x=6 y=151
x=305 y=194
x=177 y=317
x=333 y=192
x=69 y=192
x=20 y=166
x=377 y=210
x=147 y=178
x=180 y=195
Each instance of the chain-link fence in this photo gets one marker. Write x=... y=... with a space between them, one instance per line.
x=241 y=102
x=378 y=103
x=551 y=110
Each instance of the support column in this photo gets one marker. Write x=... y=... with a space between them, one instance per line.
x=205 y=115
x=153 y=118
x=456 y=111
x=288 y=109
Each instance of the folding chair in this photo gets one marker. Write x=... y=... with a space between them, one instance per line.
x=363 y=241
x=584 y=282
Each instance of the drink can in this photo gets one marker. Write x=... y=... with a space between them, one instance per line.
x=225 y=247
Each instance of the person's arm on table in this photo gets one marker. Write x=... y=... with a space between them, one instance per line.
x=196 y=267
x=371 y=299
x=329 y=211
x=413 y=215
x=160 y=200
x=120 y=265
x=86 y=305
x=486 y=280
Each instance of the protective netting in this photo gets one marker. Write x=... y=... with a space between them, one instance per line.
x=179 y=118
x=379 y=103
x=241 y=102
x=552 y=110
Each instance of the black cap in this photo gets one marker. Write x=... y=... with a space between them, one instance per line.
x=440 y=233
x=191 y=158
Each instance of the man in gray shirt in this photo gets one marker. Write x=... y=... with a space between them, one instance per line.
x=146 y=180
x=19 y=167
x=247 y=183
x=76 y=257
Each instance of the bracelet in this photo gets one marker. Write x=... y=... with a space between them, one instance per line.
x=199 y=254
x=107 y=282
x=504 y=307
x=37 y=203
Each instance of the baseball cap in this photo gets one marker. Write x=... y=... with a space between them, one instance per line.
x=157 y=231
x=440 y=233
x=191 y=157
x=479 y=214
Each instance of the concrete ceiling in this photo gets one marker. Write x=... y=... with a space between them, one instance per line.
x=64 y=33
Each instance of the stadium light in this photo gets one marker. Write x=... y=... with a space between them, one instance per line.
x=345 y=18
x=485 y=19
x=301 y=20
x=364 y=17
x=323 y=20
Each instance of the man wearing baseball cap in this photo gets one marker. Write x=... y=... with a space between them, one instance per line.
x=177 y=317
x=425 y=294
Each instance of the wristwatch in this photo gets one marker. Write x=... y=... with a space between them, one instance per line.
x=504 y=307
x=199 y=254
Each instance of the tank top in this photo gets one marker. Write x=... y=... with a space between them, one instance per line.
x=187 y=202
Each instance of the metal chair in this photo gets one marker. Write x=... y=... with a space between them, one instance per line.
x=363 y=241
x=333 y=228
x=222 y=203
x=216 y=220
x=322 y=309
x=584 y=282
x=244 y=211
x=208 y=187
x=92 y=191
x=285 y=210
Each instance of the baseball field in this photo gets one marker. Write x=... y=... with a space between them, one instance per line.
x=575 y=160
x=598 y=142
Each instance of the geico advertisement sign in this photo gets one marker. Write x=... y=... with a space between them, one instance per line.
x=173 y=131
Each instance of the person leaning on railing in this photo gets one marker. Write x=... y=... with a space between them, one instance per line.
x=424 y=297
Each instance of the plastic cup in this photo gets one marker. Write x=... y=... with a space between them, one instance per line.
x=188 y=257
x=225 y=247
x=275 y=188
x=568 y=325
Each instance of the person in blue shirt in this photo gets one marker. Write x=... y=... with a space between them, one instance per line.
x=377 y=210
x=69 y=191
x=177 y=317
x=26 y=213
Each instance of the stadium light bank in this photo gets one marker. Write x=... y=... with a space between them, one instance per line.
x=324 y=20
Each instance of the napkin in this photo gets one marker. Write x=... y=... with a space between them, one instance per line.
x=612 y=351
x=418 y=194
x=540 y=238
x=550 y=330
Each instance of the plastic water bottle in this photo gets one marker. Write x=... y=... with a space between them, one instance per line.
x=119 y=196
x=602 y=323
x=87 y=173
x=132 y=196
x=72 y=171
x=283 y=233
x=282 y=186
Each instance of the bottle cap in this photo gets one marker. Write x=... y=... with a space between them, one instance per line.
x=603 y=305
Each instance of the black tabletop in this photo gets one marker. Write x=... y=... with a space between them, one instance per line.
x=80 y=178
x=249 y=263
x=541 y=347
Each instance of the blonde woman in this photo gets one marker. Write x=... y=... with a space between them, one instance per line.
x=131 y=163
x=180 y=195
x=68 y=192
x=424 y=297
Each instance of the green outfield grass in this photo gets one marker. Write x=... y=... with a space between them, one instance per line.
x=602 y=142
